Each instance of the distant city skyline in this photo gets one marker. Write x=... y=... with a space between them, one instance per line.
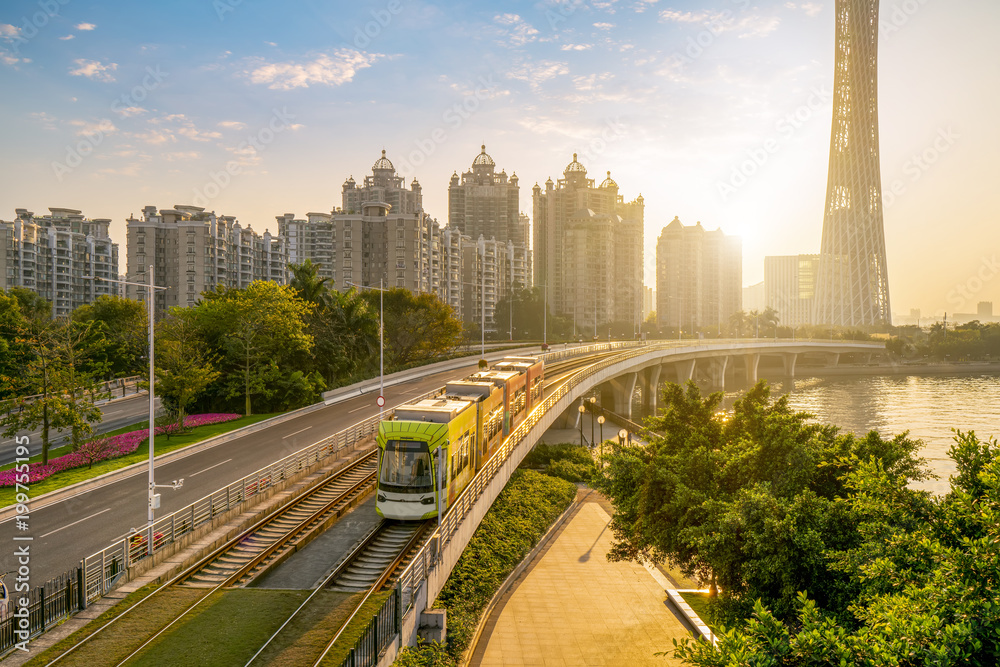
x=716 y=114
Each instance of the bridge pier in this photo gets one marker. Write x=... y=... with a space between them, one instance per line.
x=717 y=372
x=685 y=370
x=832 y=358
x=789 y=359
x=624 y=386
x=650 y=387
x=751 y=361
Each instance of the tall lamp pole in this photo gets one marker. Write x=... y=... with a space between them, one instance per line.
x=153 y=499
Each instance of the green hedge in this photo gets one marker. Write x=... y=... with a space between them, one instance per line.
x=565 y=461
x=519 y=517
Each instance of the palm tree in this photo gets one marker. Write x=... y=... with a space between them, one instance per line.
x=306 y=281
x=738 y=323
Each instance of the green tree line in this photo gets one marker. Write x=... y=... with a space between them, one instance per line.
x=264 y=348
x=820 y=550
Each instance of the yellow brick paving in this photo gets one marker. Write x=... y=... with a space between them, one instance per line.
x=575 y=608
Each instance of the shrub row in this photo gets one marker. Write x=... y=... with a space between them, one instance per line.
x=510 y=530
x=108 y=448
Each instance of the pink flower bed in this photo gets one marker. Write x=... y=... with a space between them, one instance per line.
x=115 y=447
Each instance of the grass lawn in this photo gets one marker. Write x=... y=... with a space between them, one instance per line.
x=700 y=604
x=128 y=634
x=163 y=445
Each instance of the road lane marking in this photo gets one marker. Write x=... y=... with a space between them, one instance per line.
x=209 y=468
x=296 y=433
x=74 y=523
x=363 y=407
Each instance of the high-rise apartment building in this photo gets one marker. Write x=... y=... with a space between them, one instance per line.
x=485 y=203
x=381 y=235
x=699 y=276
x=790 y=287
x=310 y=239
x=853 y=283
x=61 y=257
x=192 y=251
x=588 y=248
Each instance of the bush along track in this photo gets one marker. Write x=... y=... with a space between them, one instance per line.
x=519 y=517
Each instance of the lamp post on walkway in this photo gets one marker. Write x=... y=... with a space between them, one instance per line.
x=600 y=420
x=153 y=499
x=593 y=400
x=622 y=435
x=582 y=410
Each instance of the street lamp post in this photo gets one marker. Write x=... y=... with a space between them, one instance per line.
x=381 y=343
x=582 y=410
x=593 y=400
x=152 y=499
x=600 y=420
x=622 y=435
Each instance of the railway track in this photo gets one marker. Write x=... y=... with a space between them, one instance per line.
x=369 y=568
x=259 y=549
x=244 y=557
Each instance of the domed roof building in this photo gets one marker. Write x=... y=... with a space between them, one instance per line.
x=482 y=202
x=588 y=249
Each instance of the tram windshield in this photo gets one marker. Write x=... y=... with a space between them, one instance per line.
x=406 y=467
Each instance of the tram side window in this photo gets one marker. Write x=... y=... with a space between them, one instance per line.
x=518 y=405
x=406 y=463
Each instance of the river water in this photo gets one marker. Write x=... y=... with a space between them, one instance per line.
x=928 y=406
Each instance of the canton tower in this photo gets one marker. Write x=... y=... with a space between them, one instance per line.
x=853 y=284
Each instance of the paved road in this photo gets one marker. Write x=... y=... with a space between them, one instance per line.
x=68 y=531
x=117 y=414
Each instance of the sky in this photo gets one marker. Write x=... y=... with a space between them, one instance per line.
x=717 y=112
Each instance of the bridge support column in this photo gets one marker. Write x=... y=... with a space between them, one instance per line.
x=832 y=358
x=751 y=361
x=685 y=370
x=624 y=387
x=789 y=359
x=717 y=372
x=650 y=386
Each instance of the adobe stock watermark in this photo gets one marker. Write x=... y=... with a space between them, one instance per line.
x=965 y=292
x=453 y=118
x=31 y=25
x=785 y=129
x=220 y=180
x=613 y=130
x=381 y=18
x=919 y=164
x=893 y=21
x=94 y=136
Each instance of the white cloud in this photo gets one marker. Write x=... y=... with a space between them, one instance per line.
x=94 y=69
x=331 y=70
x=8 y=31
x=102 y=126
x=47 y=120
x=535 y=74
x=516 y=30
x=130 y=111
x=576 y=47
x=181 y=155
x=67 y=37
x=232 y=125
x=810 y=8
x=156 y=137
x=604 y=26
x=191 y=132
x=85 y=26
x=719 y=22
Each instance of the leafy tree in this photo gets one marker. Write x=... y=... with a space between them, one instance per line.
x=256 y=330
x=95 y=449
x=418 y=327
x=15 y=350
x=122 y=322
x=924 y=572
x=307 y=283
x=181 y=374
x=750 y=502
x=524 y=311
x=78 y=346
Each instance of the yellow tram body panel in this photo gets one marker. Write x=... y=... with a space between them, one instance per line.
x=410 y=448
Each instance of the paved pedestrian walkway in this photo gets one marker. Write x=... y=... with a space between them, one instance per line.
x=573 y=607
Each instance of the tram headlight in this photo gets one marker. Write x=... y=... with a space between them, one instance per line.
x=429 y=500
x=381 y=497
